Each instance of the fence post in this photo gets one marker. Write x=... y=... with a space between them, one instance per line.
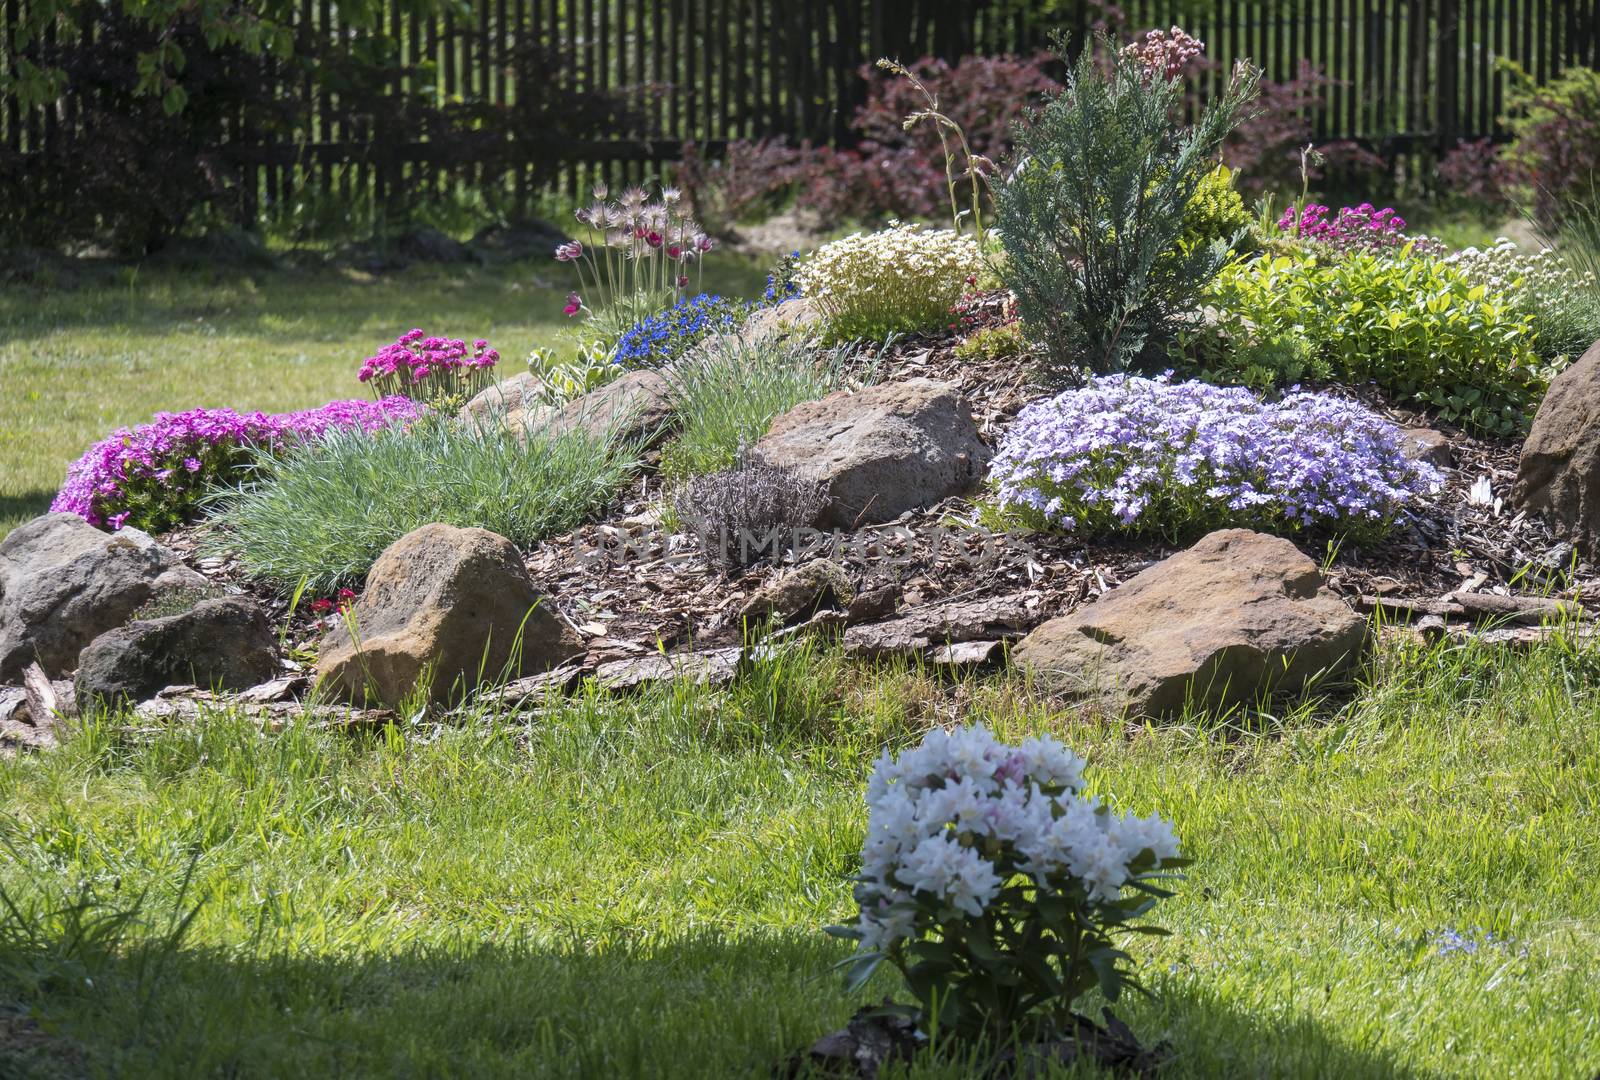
x=1446 y=101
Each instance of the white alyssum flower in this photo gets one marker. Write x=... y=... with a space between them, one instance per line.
x=953 y=818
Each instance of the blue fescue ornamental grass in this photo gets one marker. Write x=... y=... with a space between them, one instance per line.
x=1135 y=455
x=729 y=394
x=323 y=515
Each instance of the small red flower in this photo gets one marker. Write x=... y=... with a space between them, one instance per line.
x=574 y=304
x=321 y=606
x=682 y=280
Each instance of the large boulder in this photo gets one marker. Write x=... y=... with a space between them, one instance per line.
x=881 y=451
x=453 y=602
x=516 y=394
x=224 y=644
x=64 y=582
x=638 y=406
x=1235 y=616
x=1559 y=472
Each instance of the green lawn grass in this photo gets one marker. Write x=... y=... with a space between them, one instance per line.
x=79 y=362
x=636 y=886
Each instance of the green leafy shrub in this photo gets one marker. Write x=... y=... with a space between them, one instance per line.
x=1094 y=217
x=1217 y=212
x=1554 y=152
x=325 y=513
x=1421 y=329
x=903 y=279
x=728 y=395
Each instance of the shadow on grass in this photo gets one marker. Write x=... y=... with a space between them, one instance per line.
x=17 y=507
x=699 y=1006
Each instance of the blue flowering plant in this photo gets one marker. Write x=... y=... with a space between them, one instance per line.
x=1129 y=455
x=659 y=339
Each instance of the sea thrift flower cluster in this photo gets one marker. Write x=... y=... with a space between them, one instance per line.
x=634 y=248
x=1128 y=454
x=1165 y=53
x=152 y=476
x=341 y=602
x=988 y=860
x=662 y=338
x=425 y=368
x=1353 y=228
x=902 y=279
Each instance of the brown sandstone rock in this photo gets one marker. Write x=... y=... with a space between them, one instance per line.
x=456 y=601
x=1237 y=615
x=1559 y=472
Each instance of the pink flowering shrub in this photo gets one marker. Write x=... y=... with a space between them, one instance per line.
x=1165 y=53
x=153 y=476
x=1357 y=228
x=428 y=368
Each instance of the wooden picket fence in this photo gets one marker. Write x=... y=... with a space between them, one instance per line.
x=1413 y=74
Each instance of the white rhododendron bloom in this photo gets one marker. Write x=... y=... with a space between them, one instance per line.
x=954 y=819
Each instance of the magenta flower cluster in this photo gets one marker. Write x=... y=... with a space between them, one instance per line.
x=1128 y=454
x=1165 y=53
x=422 y=367
x=1353 y=228
x=153 y=476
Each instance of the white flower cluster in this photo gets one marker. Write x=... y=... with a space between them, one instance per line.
x=957 y=816
x=1539 y=283
x=1507 y=268
x=903 y=278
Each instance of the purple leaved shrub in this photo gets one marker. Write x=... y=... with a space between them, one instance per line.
x=153 y=476
x=1135 y=455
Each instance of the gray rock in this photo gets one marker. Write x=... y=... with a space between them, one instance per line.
x=1430 y=446
x=1235 y=616
x=881 y=451
x=1558 y=474
x=454 y=602
x=64 y=582
x=518 y=393
x=800 y=592
x=224 y=644
x=637 y=406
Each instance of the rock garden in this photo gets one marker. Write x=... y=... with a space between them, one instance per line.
x=1101 y=458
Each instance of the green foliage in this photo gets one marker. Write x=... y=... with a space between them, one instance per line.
x=1421 y=329
x=727 y=396
x=508 y=894
x=1094 y=217
x=1002 y=342
x=1554 y=153
x=1217 y=212
x=323 y=515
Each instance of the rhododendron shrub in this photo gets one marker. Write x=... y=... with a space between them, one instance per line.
x=1134 y=455
x=154 y=475
x=996 y=886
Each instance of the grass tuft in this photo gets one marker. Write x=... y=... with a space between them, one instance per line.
x=323 y=515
